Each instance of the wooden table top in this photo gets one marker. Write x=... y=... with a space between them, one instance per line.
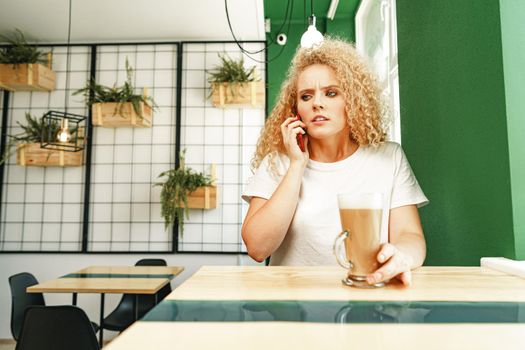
x=111 y=279
x=133 y=270
x=324 y=283
x=316 y=336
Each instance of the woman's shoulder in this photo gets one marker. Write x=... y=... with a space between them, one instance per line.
x=275 y=157
x=278 y=161
x=387 y=148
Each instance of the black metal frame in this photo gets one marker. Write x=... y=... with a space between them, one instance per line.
x=48 y=138
x=88 y=145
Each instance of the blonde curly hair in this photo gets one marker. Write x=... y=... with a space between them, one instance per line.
x=365 y=110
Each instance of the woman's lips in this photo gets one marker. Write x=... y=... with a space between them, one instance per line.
x=319 y=120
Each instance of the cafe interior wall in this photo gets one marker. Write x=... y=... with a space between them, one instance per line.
x=461 y=100
x=343 y=25
x=460 y=108
x=49 y=266
x=43 y=207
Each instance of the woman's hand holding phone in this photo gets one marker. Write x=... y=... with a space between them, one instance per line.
x=300 y=139
x=294 y=140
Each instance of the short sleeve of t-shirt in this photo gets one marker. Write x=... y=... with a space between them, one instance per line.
x=263 y=183
x=406 y=189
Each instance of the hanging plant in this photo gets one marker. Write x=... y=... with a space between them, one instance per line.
x=232 y=83
x=122 y=97
x=232 y=71
x=178 y=185
x=24 y=67
x=19 y=51
x=27 y=144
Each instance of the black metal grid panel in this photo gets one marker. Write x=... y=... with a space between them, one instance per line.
x=125 y=206
x=225 y=137
x=134 y=223
x=41 y=208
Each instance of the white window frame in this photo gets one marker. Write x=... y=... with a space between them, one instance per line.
x=385 y=51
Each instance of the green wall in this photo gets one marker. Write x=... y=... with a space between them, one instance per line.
x=462 y=117
x=342 y=26
x=512 y=14
x=454 y=126
x=278 y=67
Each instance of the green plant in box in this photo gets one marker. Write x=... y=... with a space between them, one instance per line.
x=32 y=131
x=119 y=94
x=232 y=72
x=20 y=52
x=175 y=189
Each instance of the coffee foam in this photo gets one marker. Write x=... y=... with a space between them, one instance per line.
x=360 y=201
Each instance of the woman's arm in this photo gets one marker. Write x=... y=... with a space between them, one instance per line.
x=406 y=250
x=267 y=221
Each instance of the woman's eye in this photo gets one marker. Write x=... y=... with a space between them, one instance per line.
x=305 y=97
x=331 y=93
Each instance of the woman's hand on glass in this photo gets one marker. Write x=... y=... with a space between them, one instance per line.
x=290 y=128
x=396 y=264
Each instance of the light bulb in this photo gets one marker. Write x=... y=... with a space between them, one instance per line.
x=312 y=37
x=63 y=134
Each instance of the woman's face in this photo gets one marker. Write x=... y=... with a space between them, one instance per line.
x=320 y=102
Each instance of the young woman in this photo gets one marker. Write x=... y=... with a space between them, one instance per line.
x=293 y=213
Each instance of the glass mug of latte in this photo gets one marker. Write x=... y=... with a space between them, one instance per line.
x=357 y=246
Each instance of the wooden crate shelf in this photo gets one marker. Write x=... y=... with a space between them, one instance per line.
x=204 y=197
x=31 y=154
x=114 y=115
x=247 y=94
x=27 y=77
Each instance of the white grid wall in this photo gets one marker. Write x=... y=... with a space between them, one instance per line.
x=225 y=137
x=125 y=203
x=42 y=208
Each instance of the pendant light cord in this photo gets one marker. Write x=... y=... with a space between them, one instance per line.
x=305 y=21
x=68 y=59
x=287 y=20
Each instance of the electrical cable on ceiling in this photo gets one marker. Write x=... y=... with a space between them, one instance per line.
x=287 y=20
x=235 y=38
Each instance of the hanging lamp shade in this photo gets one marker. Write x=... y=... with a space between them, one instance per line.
x=63 y=131
x=312 y=37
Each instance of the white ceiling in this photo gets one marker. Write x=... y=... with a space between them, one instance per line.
x=46 y=21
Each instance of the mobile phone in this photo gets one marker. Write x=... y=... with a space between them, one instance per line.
x=300 y=140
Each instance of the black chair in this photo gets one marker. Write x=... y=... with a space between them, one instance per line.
x=63 y=327
x=21 y=300
x=124 y=314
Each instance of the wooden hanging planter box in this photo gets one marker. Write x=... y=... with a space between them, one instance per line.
x=27 y=76
x=114 y=115
x=204 y=197
x=245 y=94
x=31 y=154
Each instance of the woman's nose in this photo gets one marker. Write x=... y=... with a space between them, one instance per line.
x=318 y=103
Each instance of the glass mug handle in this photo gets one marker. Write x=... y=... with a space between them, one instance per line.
x=339 y=253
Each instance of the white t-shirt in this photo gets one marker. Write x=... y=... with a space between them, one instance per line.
x=316 y=221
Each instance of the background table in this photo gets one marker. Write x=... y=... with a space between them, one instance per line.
x=110 y=279
x=304 y=287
